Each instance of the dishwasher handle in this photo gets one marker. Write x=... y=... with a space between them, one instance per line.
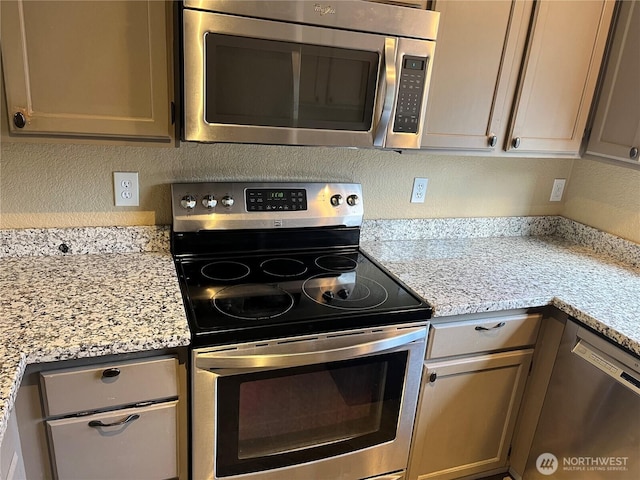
x=625 y=376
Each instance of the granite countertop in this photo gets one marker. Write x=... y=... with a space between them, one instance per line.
x=116 y=291
x=113 y=298
x=588 y=274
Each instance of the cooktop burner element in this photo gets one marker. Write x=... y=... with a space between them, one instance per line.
x=253 y=302
x=225 y=271
x=336 y=263
x=251 y=274
x=283 y=267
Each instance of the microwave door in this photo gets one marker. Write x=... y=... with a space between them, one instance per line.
x=259 y=81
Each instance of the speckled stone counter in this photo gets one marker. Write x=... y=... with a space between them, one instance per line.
x=66 y=306
x=72 y=293
x=592 y=276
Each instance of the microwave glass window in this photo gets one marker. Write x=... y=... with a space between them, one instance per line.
x=271 y=83
x=302 y=414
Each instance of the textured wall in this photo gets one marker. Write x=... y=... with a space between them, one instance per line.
x=606 y=197
x=71 y=185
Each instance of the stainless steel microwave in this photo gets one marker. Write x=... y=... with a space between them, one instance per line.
x=348 y=73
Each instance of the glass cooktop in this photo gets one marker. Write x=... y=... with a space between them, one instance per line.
x=259 y=296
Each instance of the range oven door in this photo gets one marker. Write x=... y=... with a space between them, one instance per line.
x=250 y=80
x=338 y=406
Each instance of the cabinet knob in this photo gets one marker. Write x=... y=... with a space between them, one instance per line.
x=19 y=120
x=516 y=142
x=433 y=377
x=633 y=153
x=493 y=140
x=111 y=372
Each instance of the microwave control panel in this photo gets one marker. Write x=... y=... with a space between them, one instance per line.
x=412 y=78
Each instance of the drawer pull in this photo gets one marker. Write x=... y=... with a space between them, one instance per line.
x=98 y=423
x=433 y=377
x=111 y=373
x=497 y=325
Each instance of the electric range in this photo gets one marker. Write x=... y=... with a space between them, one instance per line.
x=271 y=260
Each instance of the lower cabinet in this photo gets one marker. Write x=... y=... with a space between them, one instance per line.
x=472 y=387
x=137 y=443
x=11 y=462
x=123 y=419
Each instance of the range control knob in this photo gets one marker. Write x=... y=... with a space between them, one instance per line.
x=209 y=201
x=227 y=201
x=344 y=293
x=353 y=200
x=336 y=200
x=188 y=202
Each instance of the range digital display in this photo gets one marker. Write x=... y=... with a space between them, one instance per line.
x=269 y=199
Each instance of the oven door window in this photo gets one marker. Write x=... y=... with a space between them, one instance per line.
x=284 y=417
x=264 y=82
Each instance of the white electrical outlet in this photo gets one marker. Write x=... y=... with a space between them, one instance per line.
x=419 y=190
x=558 y=188
x=125 y=189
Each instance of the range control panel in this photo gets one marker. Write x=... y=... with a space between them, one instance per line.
x=279 y=199
x=409 y=104
x=238 y=205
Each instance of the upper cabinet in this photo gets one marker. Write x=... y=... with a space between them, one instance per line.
x=88 y=69
x=559 y=76
x=616 y=129
x=479 y=48
x=515 y=77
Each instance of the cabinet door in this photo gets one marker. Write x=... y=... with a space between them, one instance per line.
x=616 y=128
x=475 y=54
x=559 y=75
x=466 y=414
x=135 y=443
x=87 y=68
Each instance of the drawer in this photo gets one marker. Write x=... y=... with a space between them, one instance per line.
x=142 y=448
x=86 y=389
x=482 y=335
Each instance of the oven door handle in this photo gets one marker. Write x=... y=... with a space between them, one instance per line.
x=222 y=360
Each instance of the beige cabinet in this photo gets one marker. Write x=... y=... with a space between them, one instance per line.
x=11 y=461
x=515 y=78
x=88 y=69
x=559 y=76
x=479 y=48
x=473 y=382
x=122 y=420
x=616 y=129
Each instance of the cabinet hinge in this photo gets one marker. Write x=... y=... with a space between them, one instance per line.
x=509 y=452
x=173 y=113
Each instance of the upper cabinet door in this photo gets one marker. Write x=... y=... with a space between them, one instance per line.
x=479 y=49
x=616 y=129
x=97 y=69
x=559 y=76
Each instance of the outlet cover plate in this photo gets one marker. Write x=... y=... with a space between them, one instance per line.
x=125 y=189
x=557 y=190
x=419 y=190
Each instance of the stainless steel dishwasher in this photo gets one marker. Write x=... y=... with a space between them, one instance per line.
x=589 y=427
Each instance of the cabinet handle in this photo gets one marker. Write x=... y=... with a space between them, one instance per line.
x=497 y=325
x=433 y=377
x=111 y=372
x=98 y=423
x=633 y=153
x=493 y=140
x=19 y=120
x=516 y=142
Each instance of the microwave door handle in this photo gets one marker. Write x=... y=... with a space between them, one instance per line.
x=222 y=360
x=389 y=91
x=295 y=63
